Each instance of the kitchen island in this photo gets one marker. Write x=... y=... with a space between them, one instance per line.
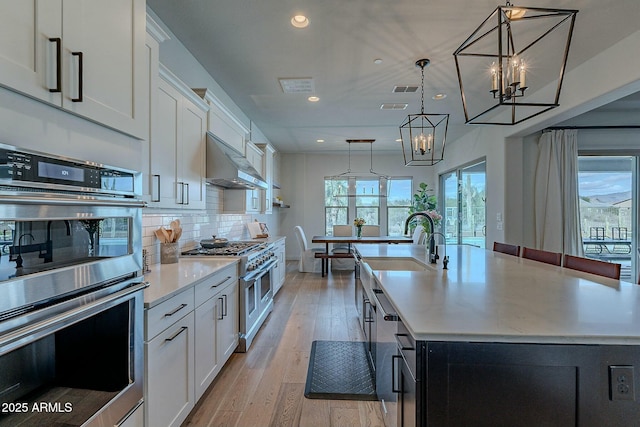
x=501 y=340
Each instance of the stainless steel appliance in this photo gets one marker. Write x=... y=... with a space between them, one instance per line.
x=386 y=358
x=228 y=168
x=257 y=261
x=71 y=291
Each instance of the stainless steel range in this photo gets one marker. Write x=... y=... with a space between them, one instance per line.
x=257 y=261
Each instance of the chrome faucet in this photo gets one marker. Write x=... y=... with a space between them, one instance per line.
x=431 y=240
x=19 y=258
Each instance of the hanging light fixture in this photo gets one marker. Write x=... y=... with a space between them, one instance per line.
x=349 y=173
x=423 y=135
x=511 y=67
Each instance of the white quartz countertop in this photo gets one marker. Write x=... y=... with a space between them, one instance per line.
x=167 y=280
x=487 y=296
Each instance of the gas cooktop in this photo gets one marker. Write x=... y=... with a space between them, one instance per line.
x=232 y=249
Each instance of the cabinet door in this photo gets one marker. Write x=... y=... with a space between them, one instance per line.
x=281 y=270
x=103 y=59
x=164 y=146
x=227 y=326
x=169 y=377
x=31 y=35
x=206 y=355
x=194 y=129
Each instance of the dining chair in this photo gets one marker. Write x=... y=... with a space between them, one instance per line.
x=554 y=258
x=419 y=235
x=342 y=230
x=370 y=231
x=308 y=262
x=593 y=266
x=344 y=248
x=506 y=248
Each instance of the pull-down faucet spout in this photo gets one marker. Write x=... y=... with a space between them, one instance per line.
x=431 y=240
x=48 y=256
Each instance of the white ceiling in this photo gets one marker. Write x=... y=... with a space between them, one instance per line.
x=247 y=45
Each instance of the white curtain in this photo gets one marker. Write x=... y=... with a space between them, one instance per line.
x=556 y=214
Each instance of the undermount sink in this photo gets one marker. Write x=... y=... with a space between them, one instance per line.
x=395 y=264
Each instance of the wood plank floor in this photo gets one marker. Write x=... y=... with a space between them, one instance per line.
x=265 y=387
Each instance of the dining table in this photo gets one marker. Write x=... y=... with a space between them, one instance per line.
x=327 y=240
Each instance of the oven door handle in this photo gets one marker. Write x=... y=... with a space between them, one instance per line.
x=34 y=331
x=49 y=199
x=256 y=274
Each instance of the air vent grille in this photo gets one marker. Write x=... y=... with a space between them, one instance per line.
x=393 y=106
x=297 y=85
x=405 y=89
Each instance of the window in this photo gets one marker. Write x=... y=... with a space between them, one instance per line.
x=336 y=203
x=379 y=201
x=399 y=195
x=605 y=190
x=463 y=196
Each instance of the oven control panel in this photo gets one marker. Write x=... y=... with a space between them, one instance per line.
x=30 y=169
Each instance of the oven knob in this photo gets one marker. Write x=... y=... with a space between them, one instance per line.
x=251 y=267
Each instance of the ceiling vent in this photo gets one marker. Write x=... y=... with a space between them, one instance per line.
x=297 y=85
x=393 y=106
x=405 y=89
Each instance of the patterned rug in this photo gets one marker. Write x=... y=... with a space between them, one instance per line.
x=340 y=370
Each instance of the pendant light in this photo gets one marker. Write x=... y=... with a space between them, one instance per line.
x=511 y=67
x=423 y=135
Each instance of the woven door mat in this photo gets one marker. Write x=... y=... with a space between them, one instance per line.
x=340 y=370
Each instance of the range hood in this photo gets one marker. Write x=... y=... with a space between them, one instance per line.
x=228 y=168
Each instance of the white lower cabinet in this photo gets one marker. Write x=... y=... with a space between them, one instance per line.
x=216 y=325
x=169 y=375
x=280 y=271
x=183 y=356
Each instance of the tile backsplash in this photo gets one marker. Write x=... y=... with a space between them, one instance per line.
x=196 y=225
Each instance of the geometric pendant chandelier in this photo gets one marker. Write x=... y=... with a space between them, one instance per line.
x=423 y=135
x=511 y=67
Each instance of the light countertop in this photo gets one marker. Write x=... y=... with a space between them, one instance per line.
x=492 y=297
x=167 y=280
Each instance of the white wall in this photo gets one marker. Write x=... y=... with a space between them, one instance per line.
x=302 y=180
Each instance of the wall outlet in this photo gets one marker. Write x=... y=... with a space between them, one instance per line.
x=621 y=384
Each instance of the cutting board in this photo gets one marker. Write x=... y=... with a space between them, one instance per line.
x=257 y=230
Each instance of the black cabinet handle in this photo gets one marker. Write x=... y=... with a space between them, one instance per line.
x=80 y=76
x=173 y=337
x=157 y=179
x=58 y=42
x=409 y=346
x=395 y=389
x=171 y=313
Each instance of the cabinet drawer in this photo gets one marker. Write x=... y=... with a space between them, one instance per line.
x=164 y=314
x=215 y=283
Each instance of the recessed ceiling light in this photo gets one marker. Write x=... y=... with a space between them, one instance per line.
x=313 y=99
x=377 y=61
x=300 y=21
x=439 y=96
x=398 y=140
x=319 y=140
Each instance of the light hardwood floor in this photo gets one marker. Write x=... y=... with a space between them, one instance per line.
x=265 y=387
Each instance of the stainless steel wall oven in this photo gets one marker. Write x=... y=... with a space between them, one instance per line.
x=71 y=291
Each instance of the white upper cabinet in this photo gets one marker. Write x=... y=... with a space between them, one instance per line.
x=222 y=123
x=177 y=146
x=85 y=56
x=28 y=50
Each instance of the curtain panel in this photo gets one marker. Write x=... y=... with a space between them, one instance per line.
x=556 y=213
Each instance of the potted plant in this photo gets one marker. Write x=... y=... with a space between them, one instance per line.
x=422 y=201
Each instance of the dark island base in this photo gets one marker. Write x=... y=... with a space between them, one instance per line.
x=521 y=385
